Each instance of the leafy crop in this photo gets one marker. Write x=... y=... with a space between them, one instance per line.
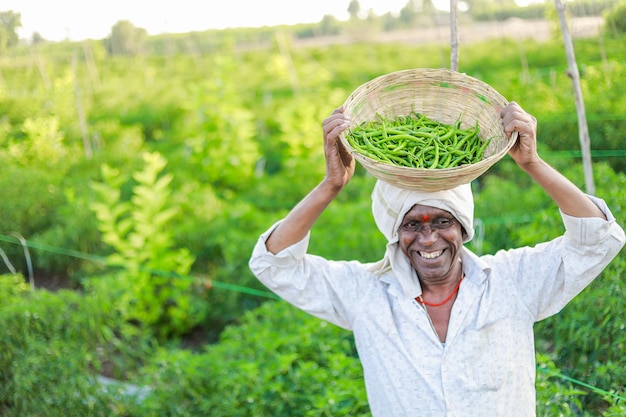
x=196 y=148
x=278 y=361
x=137 y=230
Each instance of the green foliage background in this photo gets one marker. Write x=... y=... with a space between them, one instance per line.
x=156 y=252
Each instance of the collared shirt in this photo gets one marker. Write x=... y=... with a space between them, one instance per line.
x=487 y=365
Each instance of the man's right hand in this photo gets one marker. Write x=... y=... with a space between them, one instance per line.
x=340 y=163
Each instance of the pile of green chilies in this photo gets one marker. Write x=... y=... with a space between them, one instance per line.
x=417 y=141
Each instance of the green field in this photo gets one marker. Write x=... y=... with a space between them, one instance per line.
x=140 y=182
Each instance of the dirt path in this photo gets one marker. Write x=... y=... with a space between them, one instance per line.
x=540 y=30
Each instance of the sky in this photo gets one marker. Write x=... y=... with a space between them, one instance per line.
x=57 y=20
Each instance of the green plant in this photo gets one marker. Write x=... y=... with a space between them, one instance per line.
x=50 y=351
x=617 y=409
x=11 y=286
x=217 y=130
x=555 y=397
x=29 y=197
x=154 y=287
x=278 y=361
x=587 y=338
x=35 y=387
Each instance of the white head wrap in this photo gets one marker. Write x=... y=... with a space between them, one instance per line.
x=390 y=204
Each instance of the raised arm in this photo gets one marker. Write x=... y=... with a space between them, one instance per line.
x=570 y=199
x=339 y=170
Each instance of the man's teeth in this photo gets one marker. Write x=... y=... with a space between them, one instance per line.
x=431 y=255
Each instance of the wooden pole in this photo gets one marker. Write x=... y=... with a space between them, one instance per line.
x=41 y=67
x=82 y=119
x=583 y=131
x=283 y=46
x=92 y=68
x=454 y=36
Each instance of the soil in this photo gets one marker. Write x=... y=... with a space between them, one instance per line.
x=50 y=282
x=539 y=30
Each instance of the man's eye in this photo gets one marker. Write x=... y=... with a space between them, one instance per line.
x=442 y=223
x=411 y=225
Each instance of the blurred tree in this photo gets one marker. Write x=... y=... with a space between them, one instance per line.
x=9 y=23
x=615 y=19
x=410 y=12
x=37 y=38
x=354 y=8
x=414 y=13
x=490 y=8
x=329 y=25
x=479 y=7
x=420 y=6
x=126 y=39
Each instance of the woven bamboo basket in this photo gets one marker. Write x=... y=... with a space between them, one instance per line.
x=442 y=95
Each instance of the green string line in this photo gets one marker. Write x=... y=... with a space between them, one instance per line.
x=239 y=288
x=246 y=290
x=581 y=383
x=60 y=251
x=103 y=260
x=577 y=154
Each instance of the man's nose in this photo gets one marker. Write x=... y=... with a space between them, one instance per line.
x=427 y=235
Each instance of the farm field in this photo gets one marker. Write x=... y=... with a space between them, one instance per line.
x=135 y=186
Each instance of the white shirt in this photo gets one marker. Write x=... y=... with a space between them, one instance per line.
x=487 y=366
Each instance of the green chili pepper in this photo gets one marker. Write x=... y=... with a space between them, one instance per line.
x=417 y=141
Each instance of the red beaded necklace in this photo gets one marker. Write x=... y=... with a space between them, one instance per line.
x=420 y=300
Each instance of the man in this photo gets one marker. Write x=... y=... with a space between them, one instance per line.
x=439 y=330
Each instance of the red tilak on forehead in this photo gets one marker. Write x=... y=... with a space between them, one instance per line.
x=425 y=218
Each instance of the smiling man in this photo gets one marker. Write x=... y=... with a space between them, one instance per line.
x=439 y=330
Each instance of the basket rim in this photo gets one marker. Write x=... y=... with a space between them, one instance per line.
x=438 y=76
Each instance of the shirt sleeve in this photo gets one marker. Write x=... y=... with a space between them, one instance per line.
x=551 y=274
x=330 y=290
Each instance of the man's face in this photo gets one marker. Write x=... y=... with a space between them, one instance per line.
x=431 y=239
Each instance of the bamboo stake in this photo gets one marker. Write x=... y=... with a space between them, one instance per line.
x=524 y=61
x=92 y=68
x=82 y=120
x=283 y=46
x=29 y=263
x=454 y=36
x=8 y=263
x=583 y=131
x=41 y=67
x=605 y=65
